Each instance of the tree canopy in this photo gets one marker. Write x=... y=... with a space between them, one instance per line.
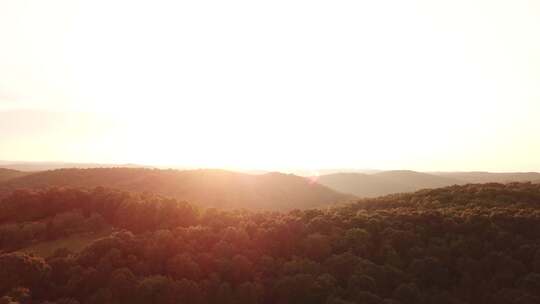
x=460 y=244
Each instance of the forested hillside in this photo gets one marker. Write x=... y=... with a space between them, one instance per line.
x=206 y=188
x=462 y=244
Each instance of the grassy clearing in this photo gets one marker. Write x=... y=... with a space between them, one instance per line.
x=74 y=243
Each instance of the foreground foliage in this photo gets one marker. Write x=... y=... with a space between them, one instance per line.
x=461 y=244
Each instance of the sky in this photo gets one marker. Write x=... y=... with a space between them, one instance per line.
x=389 y=84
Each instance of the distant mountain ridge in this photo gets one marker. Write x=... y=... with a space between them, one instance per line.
x=31 y=166
x=206 y=188
x=491 y=177
x=264 y=191
x=399 y=181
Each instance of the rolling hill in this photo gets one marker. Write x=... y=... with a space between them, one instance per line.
x=490 y=177
x=7 y=174
x=383 y=183
x=417 y=180
x=398 y=181
x=359 y=184
x=207 y=188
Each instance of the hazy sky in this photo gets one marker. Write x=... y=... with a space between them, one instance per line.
x=425 y=85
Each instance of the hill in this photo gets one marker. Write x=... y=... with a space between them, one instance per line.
x=361 y=185
x=7 y=174
x=383 y=183
x=490 y=177
x=207 y=188
x=459 y=244
x=417 y=180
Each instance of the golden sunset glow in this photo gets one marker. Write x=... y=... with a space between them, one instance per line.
x=280 y=151
x=273 y=85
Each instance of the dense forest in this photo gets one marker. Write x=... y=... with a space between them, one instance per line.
x=461 y=244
